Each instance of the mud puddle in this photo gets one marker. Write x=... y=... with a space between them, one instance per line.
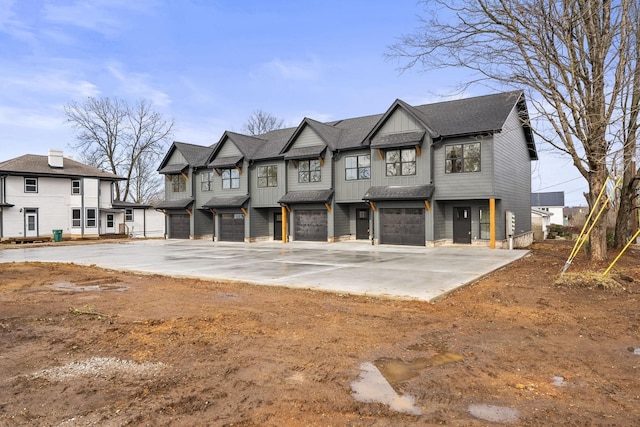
x=86 y=287
x=496 y=414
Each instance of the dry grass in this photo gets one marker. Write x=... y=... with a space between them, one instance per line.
x=589 y=280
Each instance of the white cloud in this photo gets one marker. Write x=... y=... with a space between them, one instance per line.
x=11 y=25
x=137 y=85
x=48 y=82
x=294 y=70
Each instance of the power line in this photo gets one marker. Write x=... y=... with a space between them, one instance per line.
x=560 y=183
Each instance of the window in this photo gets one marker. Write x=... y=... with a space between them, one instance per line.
x=128 y=214
x=31 y=185
x=401 y=162
x=484 y=223
x=230 y=179
x=91 y=217
x=357 y=167
x=462 y=158
x=267 y=176
x=309 y=171
x=178 y=183
x=206 y=182
x=75 y=186
x=76 y=219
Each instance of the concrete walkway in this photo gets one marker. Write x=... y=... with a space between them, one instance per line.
x=347 y=267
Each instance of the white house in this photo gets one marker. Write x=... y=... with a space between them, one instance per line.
x=140 y=220
x=552 y=203
x=39 y=194
x=540 y=221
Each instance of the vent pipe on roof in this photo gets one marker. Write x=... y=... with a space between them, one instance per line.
x=55 y=159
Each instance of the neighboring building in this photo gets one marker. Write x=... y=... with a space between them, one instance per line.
x=540 y=222
x=39 y=194
x=552 y=202
x=415 y=175
x=140 y=220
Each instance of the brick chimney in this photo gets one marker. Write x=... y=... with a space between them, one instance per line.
x=56 y=159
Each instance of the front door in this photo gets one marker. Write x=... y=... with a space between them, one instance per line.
x=111 y=228
x=362 y=224
x=461 y=225
x=277 y=226
x=31 y=223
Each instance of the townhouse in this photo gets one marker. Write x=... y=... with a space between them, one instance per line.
x=450 y=172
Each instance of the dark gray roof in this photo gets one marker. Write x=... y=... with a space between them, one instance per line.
x=310 y=196
x=554 y=198
x=6 y=205
x=225 y=162
x=123 y=205
x=396 y=192
x=226 y=202
x=173 y=169
x=403 y=139
x=35 y=165
x=305 y=152
x=195 y=155
x=175 y=204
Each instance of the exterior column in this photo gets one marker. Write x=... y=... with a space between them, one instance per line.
x=284 y=224
x=492 y=223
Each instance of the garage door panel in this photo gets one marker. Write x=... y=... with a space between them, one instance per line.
x=311 y=225
x=179 y=226
x=231 y=227
x=402 y=226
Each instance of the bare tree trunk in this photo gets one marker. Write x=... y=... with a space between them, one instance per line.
x=598 y=236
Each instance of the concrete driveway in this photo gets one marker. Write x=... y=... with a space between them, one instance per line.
x=347 y=267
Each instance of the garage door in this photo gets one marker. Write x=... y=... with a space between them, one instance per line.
x=311 y=225
x=231 y=227
x=178 y=226
x=402 y=226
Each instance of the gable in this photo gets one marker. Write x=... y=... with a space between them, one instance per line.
x=228 y=149
x=399 y=121
x=176 y=158
x=307 y=138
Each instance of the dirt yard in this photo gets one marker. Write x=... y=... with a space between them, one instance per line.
x=84 y=346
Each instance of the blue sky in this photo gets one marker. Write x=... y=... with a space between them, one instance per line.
x=209 y=64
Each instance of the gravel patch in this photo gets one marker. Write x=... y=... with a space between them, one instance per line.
x=101 y=367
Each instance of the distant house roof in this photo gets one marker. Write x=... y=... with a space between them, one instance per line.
x=124 y=205
x=397 y=192
x=35 y=165
x=555 y=198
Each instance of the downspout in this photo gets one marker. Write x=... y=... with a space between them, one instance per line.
x=144 y=222
x=249 y=166
x=285 y=212
x=195 y=203
x=82 y=212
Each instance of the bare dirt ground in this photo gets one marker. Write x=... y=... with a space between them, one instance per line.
x=85 y=346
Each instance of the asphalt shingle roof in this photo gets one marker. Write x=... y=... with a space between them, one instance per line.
x=397 y=192
x=553 y=198
x=226 y=202
x=37 y=165
x=310 y=196
x=175 y=204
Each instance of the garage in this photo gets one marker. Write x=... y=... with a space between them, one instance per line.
x=231 y=227
x=179 y=226
x=402 y=226
x=311 y=225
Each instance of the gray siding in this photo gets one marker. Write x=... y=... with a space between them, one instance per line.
x=202 y=197
x=352 y=190
x=228 y=149
x=259 y=219
x=465 y=185
x=244 y=183
x=202 y=223
x=268 y=197
x=307 y=138
x=379 y=169
x=513 y=175
x=399 y=121
x=341 y=221
x=325 y=179
x=176 y=159
x=444 y=213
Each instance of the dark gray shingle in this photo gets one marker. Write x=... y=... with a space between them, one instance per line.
x=397 y=192
x=310 y=196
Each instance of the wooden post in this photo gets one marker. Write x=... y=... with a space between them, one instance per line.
x=492 y=223
x=284 y=224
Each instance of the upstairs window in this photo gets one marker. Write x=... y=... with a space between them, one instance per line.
x=357 y=167
x=75 y=186
x=178 y=183
x=206 y=182
x=309 y=171
x=31 y=185
x=230 y=179
x=128 y=214
x=462 y=158
x=267 y=176
x=401 y=162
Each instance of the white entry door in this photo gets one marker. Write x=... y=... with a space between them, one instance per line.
x=111 y=228
x=31 y=223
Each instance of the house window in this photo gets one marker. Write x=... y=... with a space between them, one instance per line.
x=267 y=176
x=357 y=167
x=401 y=162
x=91 y=217
x=309 y=171
x=206 y=182
x=128 y=214
x=462 y=158
x=75 y=186
x=484 y=223
x=178 y=183
x=76 y=219
x=230 y=179
x=31 y=185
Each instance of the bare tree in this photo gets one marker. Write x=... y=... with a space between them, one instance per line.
x=576 y=58
x=261 y=122
x=122 y=139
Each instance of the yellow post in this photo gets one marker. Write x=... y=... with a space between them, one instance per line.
x=284 y=224
x=621 y=252
x=492 y=223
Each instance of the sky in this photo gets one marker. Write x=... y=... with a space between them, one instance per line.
x=209 y=64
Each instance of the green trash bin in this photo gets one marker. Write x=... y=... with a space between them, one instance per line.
x=57 y=235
